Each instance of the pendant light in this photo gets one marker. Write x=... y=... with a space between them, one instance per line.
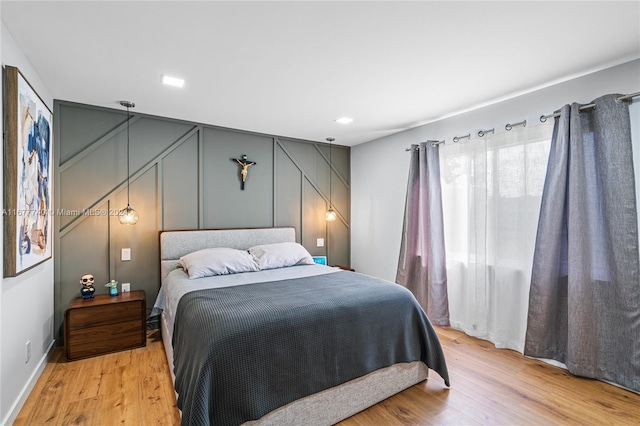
x=331 y=215
x=128 y=216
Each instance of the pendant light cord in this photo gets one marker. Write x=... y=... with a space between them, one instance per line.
x=128 y=216
x=128 y=118
x=330 y=170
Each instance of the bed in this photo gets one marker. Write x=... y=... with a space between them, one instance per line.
x=294 y=344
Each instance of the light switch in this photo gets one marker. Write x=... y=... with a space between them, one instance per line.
x=125 y=254
x=320 y=242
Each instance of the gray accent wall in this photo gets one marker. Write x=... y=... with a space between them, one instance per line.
x=182 y=176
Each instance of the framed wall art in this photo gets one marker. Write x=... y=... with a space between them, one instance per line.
x=27 y=176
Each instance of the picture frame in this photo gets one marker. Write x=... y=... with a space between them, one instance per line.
x=28 y=186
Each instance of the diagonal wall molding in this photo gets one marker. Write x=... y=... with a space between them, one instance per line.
x=95 y=145
x=136 y=174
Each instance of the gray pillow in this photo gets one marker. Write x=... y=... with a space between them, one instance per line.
x=217 y=261
x=281 y=255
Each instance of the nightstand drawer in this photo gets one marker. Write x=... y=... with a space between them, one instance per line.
x=105 y=339
x=104 y=315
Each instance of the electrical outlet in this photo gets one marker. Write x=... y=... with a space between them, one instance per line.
x=320 y=242
x=27 y=351
x=126 y=287
x=125 y=254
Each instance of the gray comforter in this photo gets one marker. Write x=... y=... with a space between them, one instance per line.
x=241 y=352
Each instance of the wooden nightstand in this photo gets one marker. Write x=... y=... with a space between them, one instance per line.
x=105 y=324
x=344 y=268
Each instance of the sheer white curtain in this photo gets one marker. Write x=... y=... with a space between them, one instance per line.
x=491 y=191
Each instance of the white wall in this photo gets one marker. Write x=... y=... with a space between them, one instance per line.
x=379 y=169
x=26 y=301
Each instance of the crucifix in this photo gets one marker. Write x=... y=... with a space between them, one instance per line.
x=244 y=163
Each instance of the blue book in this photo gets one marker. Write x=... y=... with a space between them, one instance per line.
x=320 y=260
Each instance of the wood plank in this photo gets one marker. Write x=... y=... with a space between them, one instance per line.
x=81 y=412
x=489 y=386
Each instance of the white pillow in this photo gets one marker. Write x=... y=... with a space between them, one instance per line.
x=217 y=261
x=280 y=255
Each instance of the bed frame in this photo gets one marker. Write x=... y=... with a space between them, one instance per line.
x=327 y=407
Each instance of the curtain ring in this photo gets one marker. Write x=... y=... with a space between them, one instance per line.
x=543 y=119
x=522 y=123
x=456 y=139
x=481 y=133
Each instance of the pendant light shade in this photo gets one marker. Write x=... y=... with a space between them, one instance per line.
x=331 y=215
x=128 y=216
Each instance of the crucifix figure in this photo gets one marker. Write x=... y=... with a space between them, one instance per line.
x=244 y=163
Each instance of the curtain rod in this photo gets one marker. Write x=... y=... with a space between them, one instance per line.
x=543 y=118
x=432 y=142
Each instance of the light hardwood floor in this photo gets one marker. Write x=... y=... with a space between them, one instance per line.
x=488 y=386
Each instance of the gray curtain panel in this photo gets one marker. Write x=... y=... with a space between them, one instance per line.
x=422 y=264
x=584 y=302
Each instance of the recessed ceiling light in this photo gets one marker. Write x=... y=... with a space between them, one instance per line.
x=344 y=120
x=172 y=81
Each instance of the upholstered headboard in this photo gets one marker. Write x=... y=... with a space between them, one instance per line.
x=175 y=244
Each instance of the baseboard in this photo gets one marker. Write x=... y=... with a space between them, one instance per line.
x=28 y=387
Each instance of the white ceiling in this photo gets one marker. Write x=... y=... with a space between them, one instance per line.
x=292 y=68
